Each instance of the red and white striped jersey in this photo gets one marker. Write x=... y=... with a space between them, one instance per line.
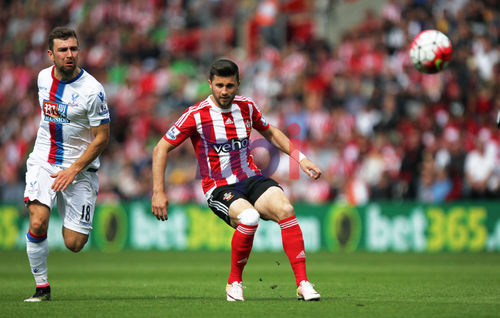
x=68 y=109
x=220 y=138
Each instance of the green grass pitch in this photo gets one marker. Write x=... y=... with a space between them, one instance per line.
x=192 y=284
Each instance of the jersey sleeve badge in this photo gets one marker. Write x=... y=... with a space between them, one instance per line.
x=173 y=132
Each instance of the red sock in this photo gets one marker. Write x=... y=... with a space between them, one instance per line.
x=241 y=245
x=293 y=244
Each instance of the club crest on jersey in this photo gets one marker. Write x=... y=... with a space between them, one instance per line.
x=248 y=125
x=227 y=196
x=55 y=112
x=173 y=132
x=231 y=145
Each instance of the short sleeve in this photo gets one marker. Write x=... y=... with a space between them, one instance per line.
x=98 y=112
x=258 y=120
x=181 y=130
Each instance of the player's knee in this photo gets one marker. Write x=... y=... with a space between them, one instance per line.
x=75 y=245
x=286 y=210
x=38 y=226
x=249 y=217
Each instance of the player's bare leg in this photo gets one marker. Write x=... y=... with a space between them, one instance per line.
x=245 y=219
x=37 y=249
x=274 y=205
x=74 y=241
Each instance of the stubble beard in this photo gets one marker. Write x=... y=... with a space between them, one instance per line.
x=226 y=104
x=66 y=72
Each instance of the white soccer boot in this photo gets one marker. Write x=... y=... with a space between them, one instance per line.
x=306 y=291
x=234 y=292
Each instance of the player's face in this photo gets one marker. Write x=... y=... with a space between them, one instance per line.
x=65 y=57
x=224 y=90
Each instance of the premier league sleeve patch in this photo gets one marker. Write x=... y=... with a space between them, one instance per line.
x=103 y=109
x=172 y=133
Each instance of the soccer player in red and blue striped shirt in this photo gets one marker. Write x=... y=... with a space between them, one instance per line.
x=62 y=168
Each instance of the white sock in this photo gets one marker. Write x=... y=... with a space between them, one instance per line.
x=37 y=255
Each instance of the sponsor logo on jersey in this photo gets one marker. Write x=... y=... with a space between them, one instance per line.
x=232 y=145
x=55 y=112
x=227 y=196
x=173 y=132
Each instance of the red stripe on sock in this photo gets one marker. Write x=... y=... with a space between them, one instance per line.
x=37 y=236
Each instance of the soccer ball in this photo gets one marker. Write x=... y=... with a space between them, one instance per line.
x=430 y=51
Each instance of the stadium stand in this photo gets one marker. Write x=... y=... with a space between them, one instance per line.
x=379 y=129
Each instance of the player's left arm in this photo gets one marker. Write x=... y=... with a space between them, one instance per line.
x=283 y=143
x=64 y=177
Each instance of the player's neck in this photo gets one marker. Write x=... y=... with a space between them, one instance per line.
x=65 y=78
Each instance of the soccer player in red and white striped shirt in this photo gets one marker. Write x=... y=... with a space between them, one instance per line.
x=219 y=128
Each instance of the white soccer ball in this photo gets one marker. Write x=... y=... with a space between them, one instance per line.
x=430 y=51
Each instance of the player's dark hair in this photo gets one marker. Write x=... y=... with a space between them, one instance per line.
x=62 y=33
x=225 y=68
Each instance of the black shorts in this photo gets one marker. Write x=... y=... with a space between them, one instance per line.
x=249 y=189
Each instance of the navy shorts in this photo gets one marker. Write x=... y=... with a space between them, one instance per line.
x=249 y=189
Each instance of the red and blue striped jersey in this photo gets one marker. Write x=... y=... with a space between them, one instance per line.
x=68 y=110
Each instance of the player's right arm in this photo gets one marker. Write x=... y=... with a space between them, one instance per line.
x=159 y=201
x=183 y=128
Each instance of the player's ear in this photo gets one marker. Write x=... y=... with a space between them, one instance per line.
x=51 y=55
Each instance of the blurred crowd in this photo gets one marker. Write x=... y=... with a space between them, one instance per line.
x=377 y=128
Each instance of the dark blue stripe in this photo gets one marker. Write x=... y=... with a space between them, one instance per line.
x=59 y=144
x=60 y=91
x=104 y=121
x=74 y=78
x=59 y=126
x=35 y=239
